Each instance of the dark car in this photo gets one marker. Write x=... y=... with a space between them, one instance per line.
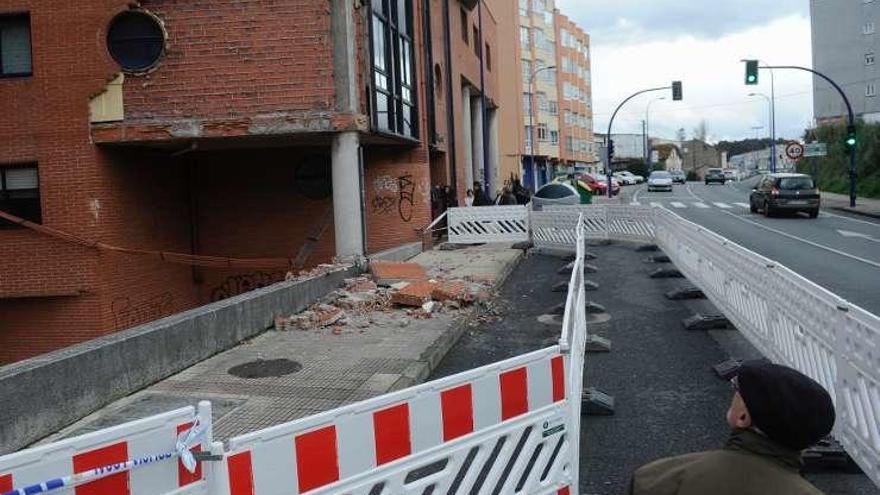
x=785 y=192
x=678 y=177
x=715 y=175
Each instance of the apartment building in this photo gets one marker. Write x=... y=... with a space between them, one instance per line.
x=169 y=154
x=550 y=130
x=845 y=48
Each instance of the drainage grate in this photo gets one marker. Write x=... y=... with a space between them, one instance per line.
x=265 y=368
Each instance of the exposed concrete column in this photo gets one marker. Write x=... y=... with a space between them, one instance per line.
x=347 y=213
x=344 y=55
x=468 y=131
x=494 y=152
x=477 y=141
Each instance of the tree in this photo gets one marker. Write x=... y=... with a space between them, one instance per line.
x=701 y=132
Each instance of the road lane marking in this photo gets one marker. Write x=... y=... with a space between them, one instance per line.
x=744 y=205
x=847 y=233
x=635 y=203
x=826 y=214
x=701 y=205
x=678 y=205
x=723 y=206
x=796 y=238
x=655 y=204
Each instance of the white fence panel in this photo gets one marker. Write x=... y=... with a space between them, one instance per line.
x=792 y=321
x=150 y=441
x=488 y=224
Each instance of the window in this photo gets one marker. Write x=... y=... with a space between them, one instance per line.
x=569 y=144
x=868 y=28
x=524 y=39
x=524 y=8
x=15 y=46
x=542 y=101
x=542 y=132
x=869 y=58
x=870 y=89
x=487 y=56
x=136 y=40
x=20 y=193
x=464 y=26
x=477 y=41
x=393 y=93
x=554 y=137
x=554 y=107
x=550 y=76
x=526 y=71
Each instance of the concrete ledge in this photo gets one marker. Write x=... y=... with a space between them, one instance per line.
x=399 y=253
x=48 y=392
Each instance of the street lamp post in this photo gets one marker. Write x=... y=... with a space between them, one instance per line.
x=534 y=142
x=772 y=139
x=648 y=130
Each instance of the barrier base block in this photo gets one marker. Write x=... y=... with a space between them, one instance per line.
x=666 y=273
x=727 y=369
x=588 y=268
x=647 y=248
x=685 y=293
x=590 y=285
x=828 y=455
x=595 y=308
x=706 y=322
x=658 y=258
x=566 y=269
x=596 y=403
x=596 y=343
x=524 y=245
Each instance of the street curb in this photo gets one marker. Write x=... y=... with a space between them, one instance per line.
x=854 y=211
x=420 y=370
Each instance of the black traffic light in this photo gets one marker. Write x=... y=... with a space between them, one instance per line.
x=676 y=91
x=751 y=72
x=610 y=151
x=850 y=142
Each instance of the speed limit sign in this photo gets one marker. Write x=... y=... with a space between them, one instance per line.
x=794 y=151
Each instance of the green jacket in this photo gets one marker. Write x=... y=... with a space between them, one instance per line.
x=749 y=464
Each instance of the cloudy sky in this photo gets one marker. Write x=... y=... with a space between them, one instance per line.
x=638 y=44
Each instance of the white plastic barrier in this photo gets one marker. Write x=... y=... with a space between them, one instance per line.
x=554 y=226
x=510 y=427
x=792 y=321
x=488 y=224
x=148 y=445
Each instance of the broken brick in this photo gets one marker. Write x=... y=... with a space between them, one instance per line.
x=390 y=272
x=414 y=294
x=451 y=290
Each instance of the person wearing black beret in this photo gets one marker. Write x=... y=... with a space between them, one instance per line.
x=776 y=412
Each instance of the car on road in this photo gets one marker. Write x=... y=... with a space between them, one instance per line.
x=730 y=174
x=638 y=179
x=678 y=177
x=785 y=192
x=598 y=183
x=626 y=180
x=715 y=175
x=660 y=180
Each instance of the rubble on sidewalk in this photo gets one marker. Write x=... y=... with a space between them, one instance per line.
x=394 y=294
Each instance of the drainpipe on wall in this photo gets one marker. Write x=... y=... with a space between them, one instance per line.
x=487 y=180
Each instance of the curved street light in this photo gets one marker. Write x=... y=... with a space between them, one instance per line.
x=772 y=115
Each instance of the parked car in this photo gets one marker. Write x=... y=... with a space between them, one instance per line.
x=785 y=192
x=626 y=180
x=615 y=184
x=660 y=180
x=715 y=175
x=678 y=177
x=633 y=178
x=730 y=174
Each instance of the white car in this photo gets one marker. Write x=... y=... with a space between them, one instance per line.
x=626 y=180
x=637 y=178
x=660 y=180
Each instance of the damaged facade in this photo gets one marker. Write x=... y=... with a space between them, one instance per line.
x=277 y=131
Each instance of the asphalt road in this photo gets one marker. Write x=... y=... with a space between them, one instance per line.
x=836 y=251
x=667 y=399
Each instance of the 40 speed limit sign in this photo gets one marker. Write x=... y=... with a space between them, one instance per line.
x=794 y=151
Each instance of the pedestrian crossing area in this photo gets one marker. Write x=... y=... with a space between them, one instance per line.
x=681 y=205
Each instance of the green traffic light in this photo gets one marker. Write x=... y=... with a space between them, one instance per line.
x=752 y=78
x=851 y=141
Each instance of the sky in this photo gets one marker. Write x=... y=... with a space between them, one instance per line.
x=640 y=44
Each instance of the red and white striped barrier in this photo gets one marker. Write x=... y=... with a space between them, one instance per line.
x=341 y=445
x=148 y=446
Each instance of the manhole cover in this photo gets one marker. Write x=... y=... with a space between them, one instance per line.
x=265 y=368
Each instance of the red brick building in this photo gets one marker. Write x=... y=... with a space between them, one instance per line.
x=216 y=128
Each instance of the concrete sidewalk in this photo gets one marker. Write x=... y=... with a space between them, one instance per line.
x=283 y=375
x=864 y=206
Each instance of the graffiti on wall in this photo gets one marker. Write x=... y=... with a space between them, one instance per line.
x=391 y=192
x=128 y=312
x=239 y=284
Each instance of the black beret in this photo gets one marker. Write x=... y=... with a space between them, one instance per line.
x=788 y=406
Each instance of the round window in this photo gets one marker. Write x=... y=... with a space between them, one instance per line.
x=135 y=40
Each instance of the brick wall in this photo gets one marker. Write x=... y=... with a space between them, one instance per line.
x=228 y=58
